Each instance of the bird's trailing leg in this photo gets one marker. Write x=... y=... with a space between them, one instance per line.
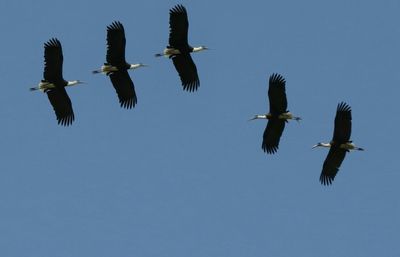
x=298 y=119
x=96 y=71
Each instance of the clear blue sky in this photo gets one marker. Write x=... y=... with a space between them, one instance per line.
x=183 y=174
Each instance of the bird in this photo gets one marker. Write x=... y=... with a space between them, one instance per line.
x=179 y=49
x=278 y=114
x=116 y=66
x=53 y=83
x=339 y=145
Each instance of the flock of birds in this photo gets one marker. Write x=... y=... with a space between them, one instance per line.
x=116 y=67
x=278 y=115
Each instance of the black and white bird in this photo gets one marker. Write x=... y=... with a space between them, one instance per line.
x=179 y=49
x=116 y=66
x=339 y=145
x=53 y=83
x=278 y=114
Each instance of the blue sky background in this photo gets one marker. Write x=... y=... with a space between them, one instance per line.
x=183 y=174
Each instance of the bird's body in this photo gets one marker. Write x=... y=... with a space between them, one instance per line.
x=43 y=86
x=107 y=69
x=278 y=114
x=170 y=52
x=346 y=146
x=116 y=66
x=179 y=49
x=339 y=145
x=46 y=85
x=54 y=84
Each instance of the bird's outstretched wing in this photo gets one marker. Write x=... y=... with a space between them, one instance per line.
x=53 y=61
x=125 y=89
x=342 y=131
x=116 y=44
x=272 y=135
x=62 y=105
x=178 y=27
x=331 y=165
x=187 y=71
x=277 y=94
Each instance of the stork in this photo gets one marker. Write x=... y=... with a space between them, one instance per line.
x=179 y=49
x=339 y=145
x=54 y=84
x=117 y=68
x=278 y=114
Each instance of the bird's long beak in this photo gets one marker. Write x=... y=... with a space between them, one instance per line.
x=254 y=118
x=314 y=146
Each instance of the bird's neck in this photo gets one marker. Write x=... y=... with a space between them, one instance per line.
x=198 y=49
x=324 y=145
x=72 y=83
x=135 y=66
x=262 y=116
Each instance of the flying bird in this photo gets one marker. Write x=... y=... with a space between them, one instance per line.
x=179 y=49
x=116 y=66
x=53 y=83
x=339 y=145
x=278 y=114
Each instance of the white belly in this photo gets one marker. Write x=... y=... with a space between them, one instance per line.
x=171 y=51
x=286 y=116
x=108 y=68
x=43 y=85
x=348 y=146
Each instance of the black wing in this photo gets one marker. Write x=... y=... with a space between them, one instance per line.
x=178 y=27
x=331 y=165
x=53 y=61
x=277 y=94
x=62 y=105
x=125 y=89
x=187 y=70
x=342 y=131
x=116 y=44
x=272 y=135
